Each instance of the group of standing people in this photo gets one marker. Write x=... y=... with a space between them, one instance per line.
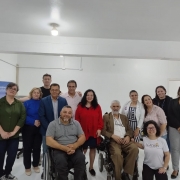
x=43 y=105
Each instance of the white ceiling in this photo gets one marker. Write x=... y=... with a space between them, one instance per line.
x=116 y=19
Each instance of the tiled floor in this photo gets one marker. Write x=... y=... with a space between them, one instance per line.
x=18 y=170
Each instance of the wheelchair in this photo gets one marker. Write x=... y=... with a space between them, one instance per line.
x=50 y=172
x=104 y=160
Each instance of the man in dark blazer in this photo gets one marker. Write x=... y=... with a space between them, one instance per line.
x=49 y=110
x=116 y=127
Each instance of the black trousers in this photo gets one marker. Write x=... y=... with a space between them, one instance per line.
x=148 y=174
x=62 y=160
x=32 y=144
x=11 y=147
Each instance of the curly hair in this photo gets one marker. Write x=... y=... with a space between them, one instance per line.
x=94 y=102
x=146 y=124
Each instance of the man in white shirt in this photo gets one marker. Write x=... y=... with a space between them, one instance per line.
x=72 y=97
x=116 y=127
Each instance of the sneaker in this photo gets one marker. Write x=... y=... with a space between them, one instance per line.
x=28 y=172
x=92 y=172
x=11 y=177
x=3 y=178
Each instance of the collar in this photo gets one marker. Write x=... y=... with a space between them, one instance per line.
x=53 y=99
x=71 y=96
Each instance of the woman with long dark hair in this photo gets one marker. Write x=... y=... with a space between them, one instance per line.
x=162 y=100
x=155 y=113
x=89 y=115
x=174 y=133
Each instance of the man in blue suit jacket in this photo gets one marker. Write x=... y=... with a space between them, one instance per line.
x=49 y=110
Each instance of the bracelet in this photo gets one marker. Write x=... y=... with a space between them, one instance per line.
x=165 y=168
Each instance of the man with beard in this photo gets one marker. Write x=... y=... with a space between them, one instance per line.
x=65 y=135
x=116 y=127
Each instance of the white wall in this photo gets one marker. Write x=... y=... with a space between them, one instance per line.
x=110 y=78
x=7 y=67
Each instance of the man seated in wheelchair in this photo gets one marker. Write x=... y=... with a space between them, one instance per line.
x=65 y=136
x=116 y=127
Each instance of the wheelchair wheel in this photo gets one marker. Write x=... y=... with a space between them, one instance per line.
x=47 y=164
x=109 y=177
x=100 y=162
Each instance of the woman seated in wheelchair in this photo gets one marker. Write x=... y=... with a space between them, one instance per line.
x=156 y=153
x=65 y=136
x=117 y=129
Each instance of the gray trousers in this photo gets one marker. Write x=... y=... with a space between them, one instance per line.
x=62 y=160
x=174 y=137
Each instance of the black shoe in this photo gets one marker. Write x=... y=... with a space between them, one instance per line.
x=125 y=176
x=11 y=177
x=42 y=175
x=174 y=176
x=92 y=172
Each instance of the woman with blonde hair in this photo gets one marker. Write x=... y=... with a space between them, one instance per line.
x=31 y=136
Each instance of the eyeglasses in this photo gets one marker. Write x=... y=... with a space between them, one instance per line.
x=150 y=128
x=13 y=89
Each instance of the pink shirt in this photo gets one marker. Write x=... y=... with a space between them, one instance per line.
x=72 y=101
x=157 y=115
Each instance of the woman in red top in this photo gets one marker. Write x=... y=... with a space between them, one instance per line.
x=89 y=115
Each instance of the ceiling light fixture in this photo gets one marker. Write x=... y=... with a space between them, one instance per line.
x=61 y=56
x=54 y=31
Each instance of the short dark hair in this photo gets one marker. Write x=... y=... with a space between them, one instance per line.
x=67 y=106
x=146 y=124
x=132 y=91
x=11 y=84
x=178 y=92
x=46 y=75
x=94 y=102
x=72 y=81
x=162 y=87
x=54 y=84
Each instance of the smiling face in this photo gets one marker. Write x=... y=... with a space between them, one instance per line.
x=151 y=130
x=147 y=101
x=161 y=93
x=134 y=96
x=71 y=88
x=66 y=114
x=89 y=97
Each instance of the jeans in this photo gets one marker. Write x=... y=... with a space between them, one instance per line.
x=11 y=147
x=32 y=140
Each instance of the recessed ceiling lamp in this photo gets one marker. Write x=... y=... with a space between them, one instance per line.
x=61 y=56
x=54 y=32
